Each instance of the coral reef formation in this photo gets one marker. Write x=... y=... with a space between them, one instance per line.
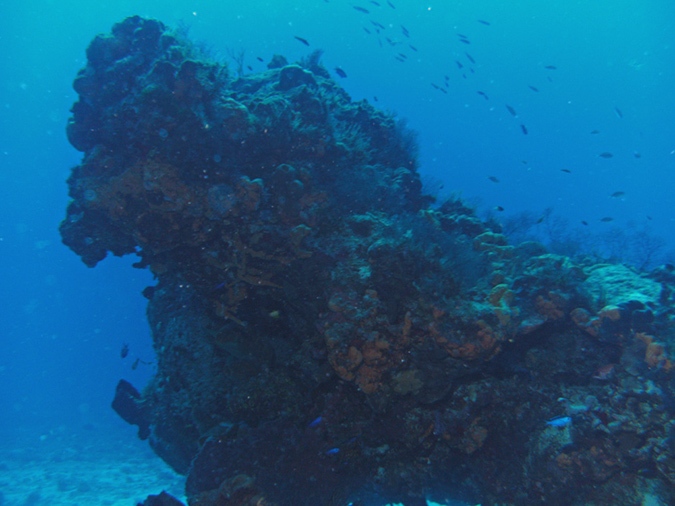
x=324 y=333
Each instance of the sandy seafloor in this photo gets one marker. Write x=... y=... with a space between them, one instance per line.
x=93 y=466
x=88 y=467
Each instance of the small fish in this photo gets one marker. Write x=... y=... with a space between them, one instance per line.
x=540 y=220
x=366 y=30
x=618 y=112
x=605 y=155
x=465 y=41
x=375 y=3
x=459 y=64
x=361 y=9
x=333 y=451
x=304 y=41
x=568 y=171
x=482 y=93
x=435 y=86
x=499 y=208
x=447 y=78
x=649 y=218
x=259 y=59
x=444 y=90
x=375 y=98
x=534 y=89
x=391 y=42
x=524 y=162
x=637 y=154
x=378 y=25
x=461 y=35
x=412 y=47
x=135 y=364
x=391 y=4
x=493 y=179
x=561 y=421
x=604 y=373
x=584 y=223
x=617 y=195
x=595 y=132
x=316 y=422
x=470 y=58
x=511 y=110
x=275 y=315
x=607 y=219
x=483 y=22
x=249 y=68
x=405 y=31
x=405 y=56
x=550 y=67
x=397 y=57
x=340 y=72
x=124 y=351
x=524 y=129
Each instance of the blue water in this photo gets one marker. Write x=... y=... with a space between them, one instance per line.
x=62 y=325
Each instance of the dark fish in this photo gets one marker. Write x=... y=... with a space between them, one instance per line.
x=484 y=22
x=511 y=110
x=405 y=31
x=135 y=364
x=470 y=58
x=618 y=112
x=605 y=155
x=379 y=25
x=493 y=179
x=466 y=41
x=550 y=67
x=607 y=219
x=499 y=208
x=585 y=223
x=397 y=57
x=540 y=220
x=259 y=58
x=595 y=132
x=391 y=42
x=304 y=41
x=482 y=93
x=459 y=64
x=375 y=3
x=549 y=79
x=436 y=86
x=650 y=218
x=375 y=98
x=361 y=9
x=366 y=30
x=249 y=68
x=412 y=47
x=446 y=78
x=533 y=88
x=443 y=90
x=316 y=422
x=462 y=36
x=637 y=154
x=405 y=56
x=568 y=171
x=524 y=162
x=617 y=195
x=124 y=351
x=390 y=4
x=340 y=72
x=524 y=129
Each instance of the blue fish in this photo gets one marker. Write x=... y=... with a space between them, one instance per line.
x=332 y=451
x=316 y=422
x=560 y=421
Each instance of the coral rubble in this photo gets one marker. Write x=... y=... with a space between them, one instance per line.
x=324 y=334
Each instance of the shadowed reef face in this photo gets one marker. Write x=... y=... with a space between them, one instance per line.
x=325 y=335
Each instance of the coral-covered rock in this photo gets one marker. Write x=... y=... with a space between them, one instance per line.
x=326 y=336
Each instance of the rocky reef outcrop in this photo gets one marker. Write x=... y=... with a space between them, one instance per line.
x=324 y=332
